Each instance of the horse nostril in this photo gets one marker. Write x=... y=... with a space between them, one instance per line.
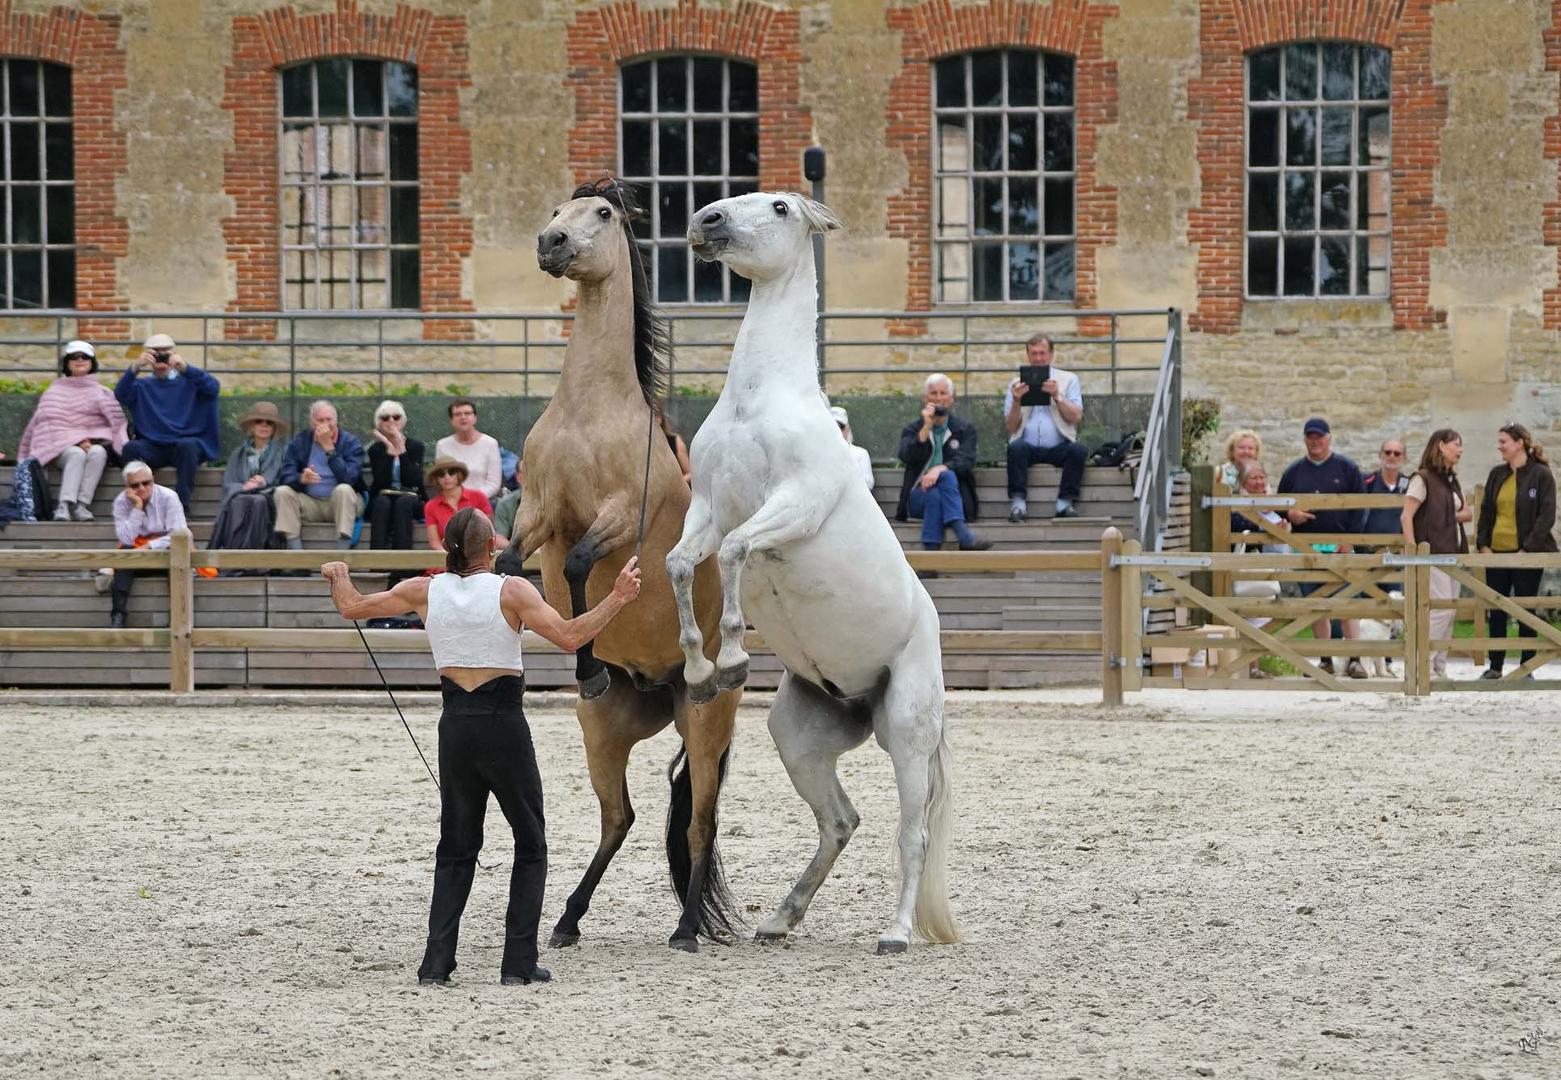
x=714 y=217
x=550 y=240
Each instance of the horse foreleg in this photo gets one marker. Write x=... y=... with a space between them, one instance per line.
x=696 y=867
x=611 y=529
x=811 y=730
x=699 y=541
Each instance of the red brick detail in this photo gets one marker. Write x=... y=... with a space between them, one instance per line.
x=89 y=45
x=938 y=28
x=262 y=44
x=1228 y=30
x=1552 y=212
x=599 y=40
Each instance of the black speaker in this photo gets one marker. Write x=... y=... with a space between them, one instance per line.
x=813 y=163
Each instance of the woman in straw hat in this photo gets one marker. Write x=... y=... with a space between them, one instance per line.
x=246 y=517
x=447 y=479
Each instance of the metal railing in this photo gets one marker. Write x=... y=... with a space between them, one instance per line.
x=1162 y=442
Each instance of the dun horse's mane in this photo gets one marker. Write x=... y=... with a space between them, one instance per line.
x=652 y=341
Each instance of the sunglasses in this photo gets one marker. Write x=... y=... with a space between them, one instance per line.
x=1392 y=453
x=391 y=416
x=140 y=483
x=77 y=356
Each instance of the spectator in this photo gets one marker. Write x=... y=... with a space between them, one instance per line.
x=396 y=492
x=1322 y=472
x=1048 y=435
x=1518 y=514
x=320 y=478
x=174 y=413
x=246 y=517
x=864 y=462
x=144 y=514
x=77 y=420
x=479 y=452
x=1253 y=480
x=1389 y=479
x=678 y=446
x=447 y=477
x=1243 y=446
x=508 y=461
x=939 y=451
x=504 y=509
x=1434 y=511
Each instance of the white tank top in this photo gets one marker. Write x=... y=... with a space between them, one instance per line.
x=466 y=624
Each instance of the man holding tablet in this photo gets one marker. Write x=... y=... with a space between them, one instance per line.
x=1041 y=411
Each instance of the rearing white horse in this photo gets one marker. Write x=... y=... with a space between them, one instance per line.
x=807 y=553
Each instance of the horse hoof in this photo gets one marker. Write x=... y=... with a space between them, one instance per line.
x=684 y=944
x=561 y=940
x=891 y=948
x=732 y=678
x=768 y=935
x=594 y=686
x=703 y=693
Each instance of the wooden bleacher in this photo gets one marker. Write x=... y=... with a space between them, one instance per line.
x=1017 y=601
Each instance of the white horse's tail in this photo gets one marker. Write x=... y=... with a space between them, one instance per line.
x=934 y=921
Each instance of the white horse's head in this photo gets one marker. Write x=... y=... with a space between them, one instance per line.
x=759 y=235
x=588 y=237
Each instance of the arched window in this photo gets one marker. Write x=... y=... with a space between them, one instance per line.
x=39 y=267
x=688 y=135
x=349 y=185
x=1003 y=176
x=1318 y=170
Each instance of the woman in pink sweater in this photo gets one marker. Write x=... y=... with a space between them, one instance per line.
x=77 y=420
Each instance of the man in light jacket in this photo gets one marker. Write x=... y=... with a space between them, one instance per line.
x=1048 y=434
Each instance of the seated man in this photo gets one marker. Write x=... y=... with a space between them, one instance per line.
x=478 y=452
x=144 y=514
x=1048 y=435
x=939 y=451
x=320 y=478
x=174 y=413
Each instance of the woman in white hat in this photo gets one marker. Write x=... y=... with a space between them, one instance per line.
x=78 y=421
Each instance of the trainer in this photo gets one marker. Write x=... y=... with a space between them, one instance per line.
x=474 y=621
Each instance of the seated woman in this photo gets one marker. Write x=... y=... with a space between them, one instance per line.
x=78 y=421
x=246 y=517
x=447 y=477
x=396 y=491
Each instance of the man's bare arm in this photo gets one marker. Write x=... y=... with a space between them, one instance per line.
x=522 y=600
x=409 y=595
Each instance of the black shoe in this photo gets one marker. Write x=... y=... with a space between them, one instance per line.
x=1326 y=664
x=433 y=980
x=1066 y=511
x=927 y=575
x=538 y=975
x=977 y=543
x=1490 y=673
x=116 y=621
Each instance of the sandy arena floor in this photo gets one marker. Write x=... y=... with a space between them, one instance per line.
x=1201 y=884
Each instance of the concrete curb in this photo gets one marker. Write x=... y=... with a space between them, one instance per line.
x=218 y=699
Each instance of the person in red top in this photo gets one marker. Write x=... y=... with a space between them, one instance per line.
x=448 y=477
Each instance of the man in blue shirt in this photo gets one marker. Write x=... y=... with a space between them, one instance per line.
x=1044 y=433
x=320 y=477
x=174 y=413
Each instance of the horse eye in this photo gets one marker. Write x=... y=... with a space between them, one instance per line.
x=781 y=208
x=605 y=213
x=557 y=210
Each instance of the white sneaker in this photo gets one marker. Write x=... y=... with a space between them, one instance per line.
x=61 y=512
x=81 y=513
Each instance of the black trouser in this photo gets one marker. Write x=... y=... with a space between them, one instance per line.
x=1067 y=455
x=485 y=745
x=124 y=581
x=1511 y=582
x=391 y=518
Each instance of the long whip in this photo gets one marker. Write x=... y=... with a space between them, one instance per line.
x=650 y=434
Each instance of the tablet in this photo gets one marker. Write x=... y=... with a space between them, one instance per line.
x=1035 y=376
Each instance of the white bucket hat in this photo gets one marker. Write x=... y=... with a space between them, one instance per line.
x=83 y=347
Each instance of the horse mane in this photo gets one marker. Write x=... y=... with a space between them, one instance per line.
x=652 y=340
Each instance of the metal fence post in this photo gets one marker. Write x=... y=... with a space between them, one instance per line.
x=181 y=613
x=1110 y=618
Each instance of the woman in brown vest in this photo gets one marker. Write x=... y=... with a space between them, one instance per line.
x=1434 y=511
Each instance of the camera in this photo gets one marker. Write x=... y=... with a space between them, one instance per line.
x=940 y=410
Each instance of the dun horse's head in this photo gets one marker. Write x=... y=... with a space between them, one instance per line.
x=588 y=236
x=759 y=235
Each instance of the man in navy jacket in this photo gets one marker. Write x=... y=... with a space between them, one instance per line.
x=320 y=477
x=174 y=413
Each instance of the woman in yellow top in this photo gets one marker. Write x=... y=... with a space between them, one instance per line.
x=1517 y=515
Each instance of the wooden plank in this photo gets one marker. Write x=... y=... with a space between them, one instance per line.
x=181 y=614
x=1307 y=647
x=988 y=561
x=1111 y=586
x=82 y=638
x=1132 y=618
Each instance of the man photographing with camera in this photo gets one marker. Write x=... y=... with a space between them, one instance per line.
x=939 y=451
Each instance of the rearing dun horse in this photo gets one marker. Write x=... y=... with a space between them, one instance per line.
x=808 y=556
x=586 y=480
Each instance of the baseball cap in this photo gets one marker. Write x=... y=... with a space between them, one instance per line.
x=83 y=347
x=1316 y=426
x=840 y=416
x=159 y=341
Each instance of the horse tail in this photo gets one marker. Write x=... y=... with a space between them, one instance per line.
x=933 y=919
x=717 y=909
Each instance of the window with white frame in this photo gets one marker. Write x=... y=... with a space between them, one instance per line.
x=39 y=264
x=1003 y=176
x=1319 y=161
x=349 y=183
x=688 y=135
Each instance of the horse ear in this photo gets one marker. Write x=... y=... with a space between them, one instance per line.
x=820 y=218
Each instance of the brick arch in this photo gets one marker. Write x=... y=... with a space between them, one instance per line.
x=89 y=45
x=599 y=40
x=1228 y=30
x=934 y=29
x=263 y=44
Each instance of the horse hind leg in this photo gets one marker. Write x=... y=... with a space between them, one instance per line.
x=692 y=857
x=908 y=722
x=811 y=730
